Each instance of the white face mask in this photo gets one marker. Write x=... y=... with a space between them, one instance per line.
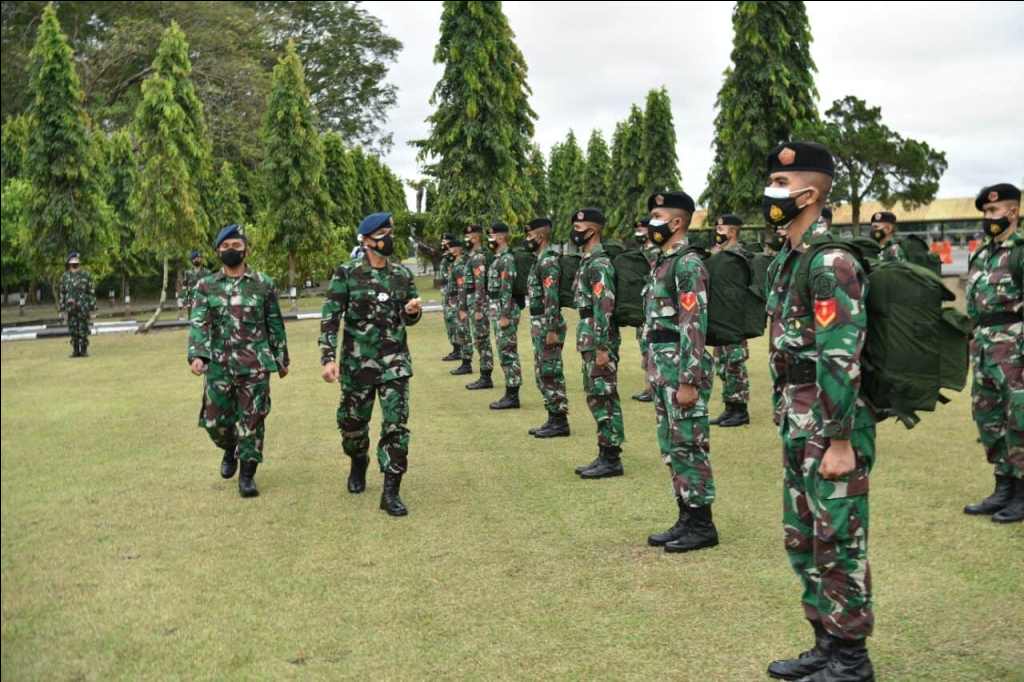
x=782 y=192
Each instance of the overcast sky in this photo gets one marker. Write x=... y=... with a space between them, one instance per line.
x=949 y=73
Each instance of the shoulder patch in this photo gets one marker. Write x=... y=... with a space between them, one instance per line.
x=824 y=286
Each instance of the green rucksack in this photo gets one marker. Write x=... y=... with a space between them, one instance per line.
x=919 y=253
x=759 y=264
x=632 y=271
x=525 y=261
x=568 y=264
x=736 y=299
x=914 y=346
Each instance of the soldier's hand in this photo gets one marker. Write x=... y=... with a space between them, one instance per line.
x=478 y=316
x=686 y=396
x=551 y=339
x=413 y=307
x=282 y=371
x=504 y=322
x=462 y=315
x=601 y=358
x=838 y=461
x=198 y=367
x=330 y=372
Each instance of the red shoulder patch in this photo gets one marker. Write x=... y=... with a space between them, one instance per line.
x=548 y=281
x=688 y=300
x=825 y=312
x=598 y=288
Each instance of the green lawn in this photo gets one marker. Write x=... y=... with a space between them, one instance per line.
x=125 y=556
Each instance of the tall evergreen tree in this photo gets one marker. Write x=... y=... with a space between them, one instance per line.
x=226 y=204
x=595 y=176
x=340 y=175
x=536 y=174
x=626 y=185
x=565 y=183
x=299 y=207
x=481 y=129
x=658 y=147
x=768 y=92
x=67 y=207
x=127 y=260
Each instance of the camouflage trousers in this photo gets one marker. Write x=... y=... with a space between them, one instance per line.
x=354 y=414
x=601 y=384
x=826 y=533
x=685 y=447
x=731 y=368
x=547 y=368
x=506 y=343
x=641 y=340
x=234 y=411
x=997 y=404
x=461 y=336
x=79 y=329
x=481 y=331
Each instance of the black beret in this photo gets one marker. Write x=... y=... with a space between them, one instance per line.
x=538 y=223
x=730 y=219
x=643 y=222
x=671 y=200
x=1004 y=191
x=447 y=237
x=499 y=227
x=826 y=213
x=801 y=156
x=884 y=217
x=587 y=215
x=470 y=229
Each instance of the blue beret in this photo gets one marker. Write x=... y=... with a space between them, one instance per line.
x=374 y=222
x=193 y=255
x=72 y=256
x=232 y=231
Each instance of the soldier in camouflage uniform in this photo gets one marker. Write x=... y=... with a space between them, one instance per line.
x=190 y=279
x=679 y=369
x=377 y=299
x=650 y=252
x=883 y=231
x=547 y=330
x=598 y=340
x=995 y=303
x=504 y=314
x=817 y=330
x=237 y=340
x=461 y=335
x=473 y=308
x=731 y=360
x=824 y=224
x=77 y=303
x=451 y=312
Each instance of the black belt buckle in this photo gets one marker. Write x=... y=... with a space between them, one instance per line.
x=662 y=336
x=997 y=319
x=585 y=313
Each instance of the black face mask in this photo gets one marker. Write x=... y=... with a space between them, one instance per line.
x=659 y=234
x=641 y=238
x=721 y=238
x=775 y=241
x=197 y=263
x=580 y=238
x=532 y=244
x=994 y=227
x=232 y=257
x=878 y=235
x=492 y=244
x=779 y=211
x=385 y=245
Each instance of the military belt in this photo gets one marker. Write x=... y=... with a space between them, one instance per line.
x=586 y=313
x=996 y=319
x=536 y=310
x=662 y=336
x=800 y=372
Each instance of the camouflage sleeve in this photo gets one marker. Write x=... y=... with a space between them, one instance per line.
x=691 y=280
x=276 y=335
x=464 y=289
x=506 y=304
x=840 y=328
x=90 y=293
x=480 y=286
x=602 y=285
x=335 y=305
x=410 y=320
x=199 y=326
x=550 y=274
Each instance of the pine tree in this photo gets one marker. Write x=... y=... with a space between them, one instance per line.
x=536 y=174
x=226 y=202
x=127 y=260
x=481 y=129
x=626 y=187
x=768 y=92
x=67 y=207
x=565 y=184
x=595 y=176
x=342 y=183
x=658 y=148
x=299 y=208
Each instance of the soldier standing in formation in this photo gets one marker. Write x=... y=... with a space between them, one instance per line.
x=883 y=231
x=237 y=339
x=505 y=309
x=817 y=330
x=377 y=299
x=547 y=330
x=473 y=307
x=189 y=280
x=679 y=367
x=650 y=251
x=824 y=224
x=597 y=340
x=731 y=360
x=77 y=303
x=450 y=312
x=995 y=303
x=455 y=295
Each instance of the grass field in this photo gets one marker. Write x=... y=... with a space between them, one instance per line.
x=125 y=556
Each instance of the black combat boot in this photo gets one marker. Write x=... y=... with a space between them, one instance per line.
x=454 y=356
x=808 y=662
x=698 y=533
x=1014 y=511
x=609 y=465
x=483 y=382
x=533 y=431
x=75 y=352
x=509 y=401
x=583 y=467
x=83 y=349
x=389 y=499
x=735 y=415
x=357 y=474
x=465 y=368
x=673 y=533
x=246 y=484
x=229 y=463
x=643 y=396
x=726 y=413
x=848 y=662
x=999 y=498
x=556 y=427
